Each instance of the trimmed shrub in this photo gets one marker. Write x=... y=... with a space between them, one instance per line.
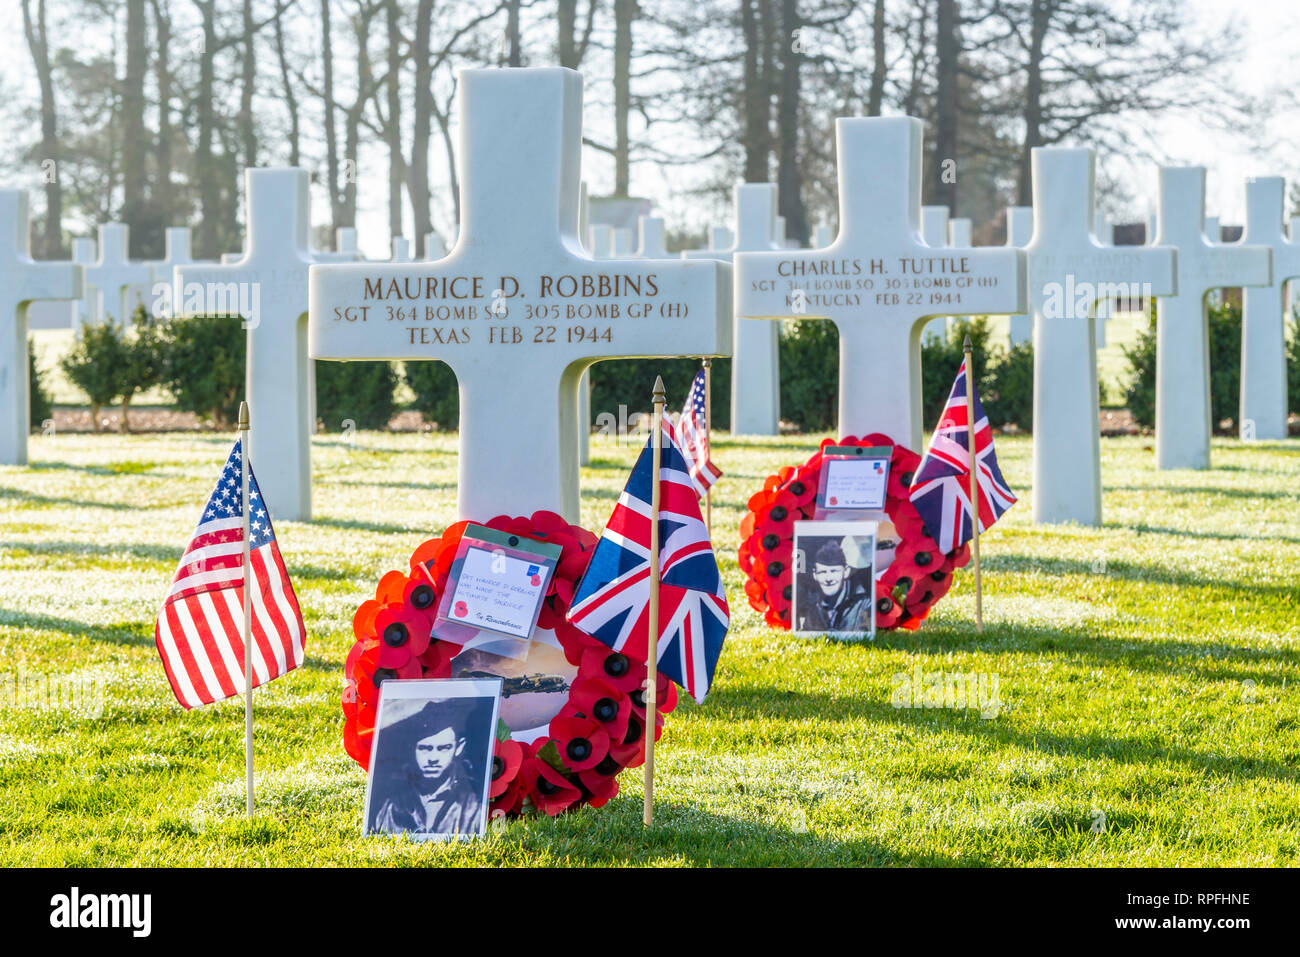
x=1293 y=364
x=203 y=366
x=941 y=358
x=436 y=395
x=99 y=364
x=809 y=363
x=38 y=397
x=1225 y=369
x=631 y=382
x=359 y=391
x=1009 y=396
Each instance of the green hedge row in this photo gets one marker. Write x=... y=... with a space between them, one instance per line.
x=200 y=361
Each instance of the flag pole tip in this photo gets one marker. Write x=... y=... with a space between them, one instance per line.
x=707 y=362
x=660 y=395
x=966 y=345
x=243 y=416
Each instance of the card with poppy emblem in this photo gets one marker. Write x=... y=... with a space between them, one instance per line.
x=496 y=586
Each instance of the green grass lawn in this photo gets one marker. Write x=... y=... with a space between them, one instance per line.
x=1147 y=672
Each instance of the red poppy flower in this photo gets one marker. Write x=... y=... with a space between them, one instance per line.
x=778 y=518
x=602 y=702
x=550 y=791
x=601 y=788
x=888 y=611
x=403 y=635
x=582 y=742
x=618 y=669
x=509 y=801
x=505 y=765
x=958 y=557
x=630 y=752
x=803 y=487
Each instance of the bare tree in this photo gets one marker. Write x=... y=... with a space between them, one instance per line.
x=35 y=29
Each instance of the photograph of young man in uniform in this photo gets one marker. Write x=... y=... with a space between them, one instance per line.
x=831 y=596
x=430 y=774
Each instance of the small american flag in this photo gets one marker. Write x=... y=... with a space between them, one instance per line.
x=693 y=427
x=941 y=486
x=612 y=602
x=198 y=631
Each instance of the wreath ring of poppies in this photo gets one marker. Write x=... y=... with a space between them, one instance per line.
x=596 y=734
x=918 y=577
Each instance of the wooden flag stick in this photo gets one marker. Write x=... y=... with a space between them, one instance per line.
x=244 y=468
x=652 y=645
x=708 y=442
x=974 y=487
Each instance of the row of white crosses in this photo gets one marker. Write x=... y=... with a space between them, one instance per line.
x=518 y=308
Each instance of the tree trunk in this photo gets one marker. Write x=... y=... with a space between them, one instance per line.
x=245 y=122
x=571 y=49
x=125 y=425
x=134 y=146
x=290 y=98
x=50 y=245
x=947 y=107
x=1040 y=18
x=418 y=169
x=876 y=96
x=514 y=55
x=757 y=103
x=393 y=129
x=624 y=13
x=164 y=195
x=331 y=134
x=789 y=119
x=206 y=168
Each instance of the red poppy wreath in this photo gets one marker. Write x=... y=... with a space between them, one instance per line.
x=576 y=753
x=918 y=576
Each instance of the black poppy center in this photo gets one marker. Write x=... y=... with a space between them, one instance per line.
x=798 y=488
x=924 y=558
x=616 y=665
x=498 y=768
x=906 y=479
x=606 y=709
x=779 y=513
x=422 y=596
x=579 y=749
x=633 y=732
x=395 y=634
x=546 y=786
x=786 y=592
x=937 y=576
x=775 y=568
x=383 y=674
x=885 y=605
x=638 y=698
x=607 y=766
x=770 y=541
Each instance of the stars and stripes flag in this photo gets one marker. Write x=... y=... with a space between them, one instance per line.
x=941 y=486
x=199 y=629
x=612 y=600
x=693 y=429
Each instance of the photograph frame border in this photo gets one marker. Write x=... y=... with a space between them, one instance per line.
x=830 y=529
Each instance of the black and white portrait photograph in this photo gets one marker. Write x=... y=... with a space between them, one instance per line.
x=834 y=591
x=432 y=758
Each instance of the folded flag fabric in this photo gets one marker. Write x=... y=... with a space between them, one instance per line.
x=693 y=430
x=612 y=600
x=199 y=629
x=941 y=487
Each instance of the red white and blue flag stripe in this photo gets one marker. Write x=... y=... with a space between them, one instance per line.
x=612 y=600
x=693 y=429
x=941 y=486
x=199 y=629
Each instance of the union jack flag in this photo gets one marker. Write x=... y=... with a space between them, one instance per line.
x=199 y=631
x=694 y=429
x=941 y=486
x=612 y=601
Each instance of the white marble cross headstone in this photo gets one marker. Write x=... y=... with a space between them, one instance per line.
x=1068 y=273
x=1183 y=416
x=401 y=250
x=117 y=280
x=624 y=247
x=1020 y=229
x=434 y=247
x=934 y=232
x=178 y=251
x=600 y=241
x=650 y=243
x=878 y=282
x=22 y=280
x=1102 y=230
x=720 y=238
x=1212 y=231
x=959 y=237
x=64 y=314
x=345 y=249
x=518 y=309
x=823 y=236
x=267 y=288
x=1263 y=325
x=755 y=370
